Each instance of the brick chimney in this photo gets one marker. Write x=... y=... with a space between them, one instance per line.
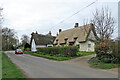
x=50 y=33
x=36 y=32
x=60 y=30
x=57 y=34
x=76 y=25
x=32 y=33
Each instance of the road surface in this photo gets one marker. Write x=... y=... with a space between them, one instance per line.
x=37 y=67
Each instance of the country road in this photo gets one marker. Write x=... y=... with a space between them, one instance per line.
x=37 y=67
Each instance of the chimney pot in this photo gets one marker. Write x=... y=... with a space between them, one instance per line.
x=36 y=32
x=60 y=30
x=50 y=33
x=76 y=25
x=32 y=33
x=57 y=34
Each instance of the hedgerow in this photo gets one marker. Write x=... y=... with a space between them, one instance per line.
x=68 y=51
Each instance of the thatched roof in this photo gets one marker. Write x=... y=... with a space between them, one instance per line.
x=79 y=33
x=42 y=39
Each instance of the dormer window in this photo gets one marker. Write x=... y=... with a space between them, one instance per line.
x=75 y=38
x=66 y=40
x=56 y=40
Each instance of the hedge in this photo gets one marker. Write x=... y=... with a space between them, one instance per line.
x=68 y=51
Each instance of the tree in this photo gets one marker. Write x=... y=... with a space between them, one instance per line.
x=103 y=23
x=25 y=39
x=9 y=39
x=1 y=28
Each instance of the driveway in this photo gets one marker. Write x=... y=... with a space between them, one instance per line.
x=37 y=67
x=81 y=60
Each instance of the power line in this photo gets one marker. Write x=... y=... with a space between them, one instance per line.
x=74 y=14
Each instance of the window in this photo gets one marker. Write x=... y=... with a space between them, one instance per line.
x=78 y=46
x=66 y=40
x=75 y=38
x=57 y=41
x=89 y=45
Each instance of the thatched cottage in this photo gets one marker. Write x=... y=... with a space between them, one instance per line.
x=40 y=40
x=81 y=36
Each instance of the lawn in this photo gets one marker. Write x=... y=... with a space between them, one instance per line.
x=56 y=57
x=9 y=70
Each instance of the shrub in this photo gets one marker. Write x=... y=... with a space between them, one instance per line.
x=116 y=52
x=27 y=49
x=102 y=49
x=106 y=60
x=68 y=51
x=94 y=60
x=108 y=52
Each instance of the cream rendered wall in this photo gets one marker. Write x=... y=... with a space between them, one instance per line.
x=91 y=36
x=84 y=46
x=39 y=46
x=48 y=45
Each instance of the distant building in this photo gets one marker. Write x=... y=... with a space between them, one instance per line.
x=81 y=36
x=40 y=40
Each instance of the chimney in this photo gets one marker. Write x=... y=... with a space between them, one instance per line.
x=57 y=34
x=50 y=33
x=76 y=25
x=60 y=30
x=36 y=32
x=32 y=33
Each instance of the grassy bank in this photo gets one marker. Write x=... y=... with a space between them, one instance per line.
x=58 y=57
x=54 y=57
x=104 y=65
x=9 y=70
x=95 y=63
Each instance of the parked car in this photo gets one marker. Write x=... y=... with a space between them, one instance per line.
x=18 y=51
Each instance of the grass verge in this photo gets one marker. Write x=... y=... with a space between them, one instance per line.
x=9 y=70
x=94 y=62
x=104 y=65
x=54 y=57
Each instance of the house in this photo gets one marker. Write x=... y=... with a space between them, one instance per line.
x=40 y=40
x=82 y=36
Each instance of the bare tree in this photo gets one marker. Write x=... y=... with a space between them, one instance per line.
x=103 y=23
x=25 y=39
x=1 y=28
x=9 y=39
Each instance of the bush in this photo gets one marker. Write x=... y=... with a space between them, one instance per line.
x=27 y=49
x=102 y=49
x=106 y=60
x=69 y=51
x=116 y=52
x=94 y=60
x=108 y=52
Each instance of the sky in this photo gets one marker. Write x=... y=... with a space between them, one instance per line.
x=27 y=16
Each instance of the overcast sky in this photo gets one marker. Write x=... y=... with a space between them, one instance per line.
x=27 y=16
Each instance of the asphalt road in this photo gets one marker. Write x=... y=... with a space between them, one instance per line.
x=37 y=67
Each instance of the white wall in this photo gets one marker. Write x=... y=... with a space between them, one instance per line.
x=49 y=45
x=91 y=35
x=39 y=46
x=84 y=46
